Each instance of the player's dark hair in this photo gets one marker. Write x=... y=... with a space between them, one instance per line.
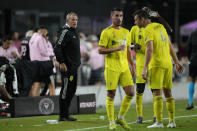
x=116 y=9
x=5 y=38
x=147 y=9
x=40 y=27
x=141 y=14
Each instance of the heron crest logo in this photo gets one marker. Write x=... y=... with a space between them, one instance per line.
x=46 y=106
x=71 y=78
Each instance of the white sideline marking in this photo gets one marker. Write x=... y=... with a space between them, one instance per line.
x=38 y=125
x=89 y=128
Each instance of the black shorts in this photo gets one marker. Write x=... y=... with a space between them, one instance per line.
x=31 y=71
x=96 y=76
x=192 y=70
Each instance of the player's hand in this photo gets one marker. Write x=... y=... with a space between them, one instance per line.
x=179 y=67
x=144 y=73
x=137 y=46
x=121 y=47
x=63 y=67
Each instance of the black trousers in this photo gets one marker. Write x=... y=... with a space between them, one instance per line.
x=192 y=71
x=69 y=87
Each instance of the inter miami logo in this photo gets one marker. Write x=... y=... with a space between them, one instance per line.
x=46 y=106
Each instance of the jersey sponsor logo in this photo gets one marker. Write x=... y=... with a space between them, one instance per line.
x=113 y=42
x=62 y=36
x=46 y=106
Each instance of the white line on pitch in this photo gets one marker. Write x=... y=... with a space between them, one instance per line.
x=89 y=128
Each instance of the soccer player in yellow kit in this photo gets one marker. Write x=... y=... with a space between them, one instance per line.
x=158 y=64
x=136 y=37
x=117 y=60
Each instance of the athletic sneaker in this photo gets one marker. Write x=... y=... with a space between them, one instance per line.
x=189 y=107
x=123 y=123
x=171 y=124
x=156 y=125
x=139 y=120
x=112 y=126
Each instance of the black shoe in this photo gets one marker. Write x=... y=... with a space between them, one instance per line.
x=139 y=120
x=189 y=106
x=154 y=119
x=67 y=119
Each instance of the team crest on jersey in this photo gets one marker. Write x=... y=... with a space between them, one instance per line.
x=71 y=78
x=113 y=42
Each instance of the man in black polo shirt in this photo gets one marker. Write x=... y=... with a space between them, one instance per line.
x=67 y=51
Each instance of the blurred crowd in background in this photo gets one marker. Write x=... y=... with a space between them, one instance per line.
x=19 y=21
x=92 y=64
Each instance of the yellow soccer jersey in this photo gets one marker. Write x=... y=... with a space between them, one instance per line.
x=161 y=47
x=110 y=38
x=137 y=36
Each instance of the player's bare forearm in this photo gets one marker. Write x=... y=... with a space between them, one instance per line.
x=129 y=57
x=173 y=54
x=178 y=66
x=103 y=50
x=130 y=60
x=148 y=54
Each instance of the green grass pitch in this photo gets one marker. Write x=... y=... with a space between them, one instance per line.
x=185 y=120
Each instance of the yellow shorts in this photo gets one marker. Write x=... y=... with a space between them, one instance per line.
x=112 y=79
x=159 y=78
x=139 y=78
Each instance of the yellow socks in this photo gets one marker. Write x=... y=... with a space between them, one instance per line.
x=139 y=102
x=125 y=106
x=158 y=108
x=110 y=108
x=170 y=104
x=154 y=115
